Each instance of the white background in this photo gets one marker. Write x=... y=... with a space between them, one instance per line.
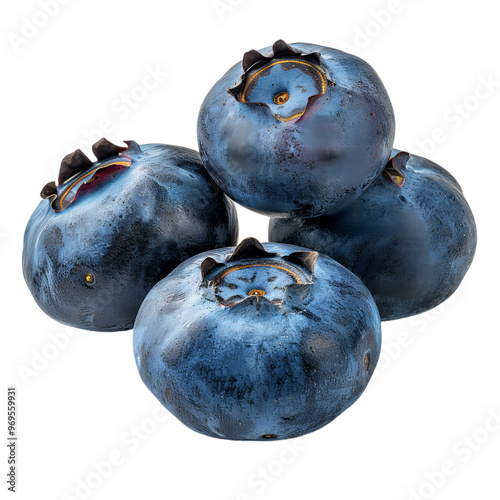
x=431 y=404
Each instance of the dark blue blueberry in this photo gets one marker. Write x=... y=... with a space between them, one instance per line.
x=410 y=237
x=258 y=342
x=110 y=230
x=296 y=130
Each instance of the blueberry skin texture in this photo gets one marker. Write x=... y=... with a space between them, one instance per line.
x=411 y=245
x=245 y=373
x=128 y=231
x=303 y=168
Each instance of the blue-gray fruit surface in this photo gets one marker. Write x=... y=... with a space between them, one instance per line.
x=260 y=342
x=411 y=236
x=296 y=130
x=111 y=229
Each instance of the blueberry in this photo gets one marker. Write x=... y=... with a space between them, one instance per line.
x=110 y=230
x=410 y=237
x=260 y=342
x=296 y=130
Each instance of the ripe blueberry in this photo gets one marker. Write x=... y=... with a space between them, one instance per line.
x=259 y=342
x=296 y=130
x=410 y=237
x=111 y=229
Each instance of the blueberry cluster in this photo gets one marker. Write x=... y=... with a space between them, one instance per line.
x=256 y=341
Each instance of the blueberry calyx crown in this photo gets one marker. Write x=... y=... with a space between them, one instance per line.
x=395 y=168
x=77 y=169
x=286 y=81
x=253 y=276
